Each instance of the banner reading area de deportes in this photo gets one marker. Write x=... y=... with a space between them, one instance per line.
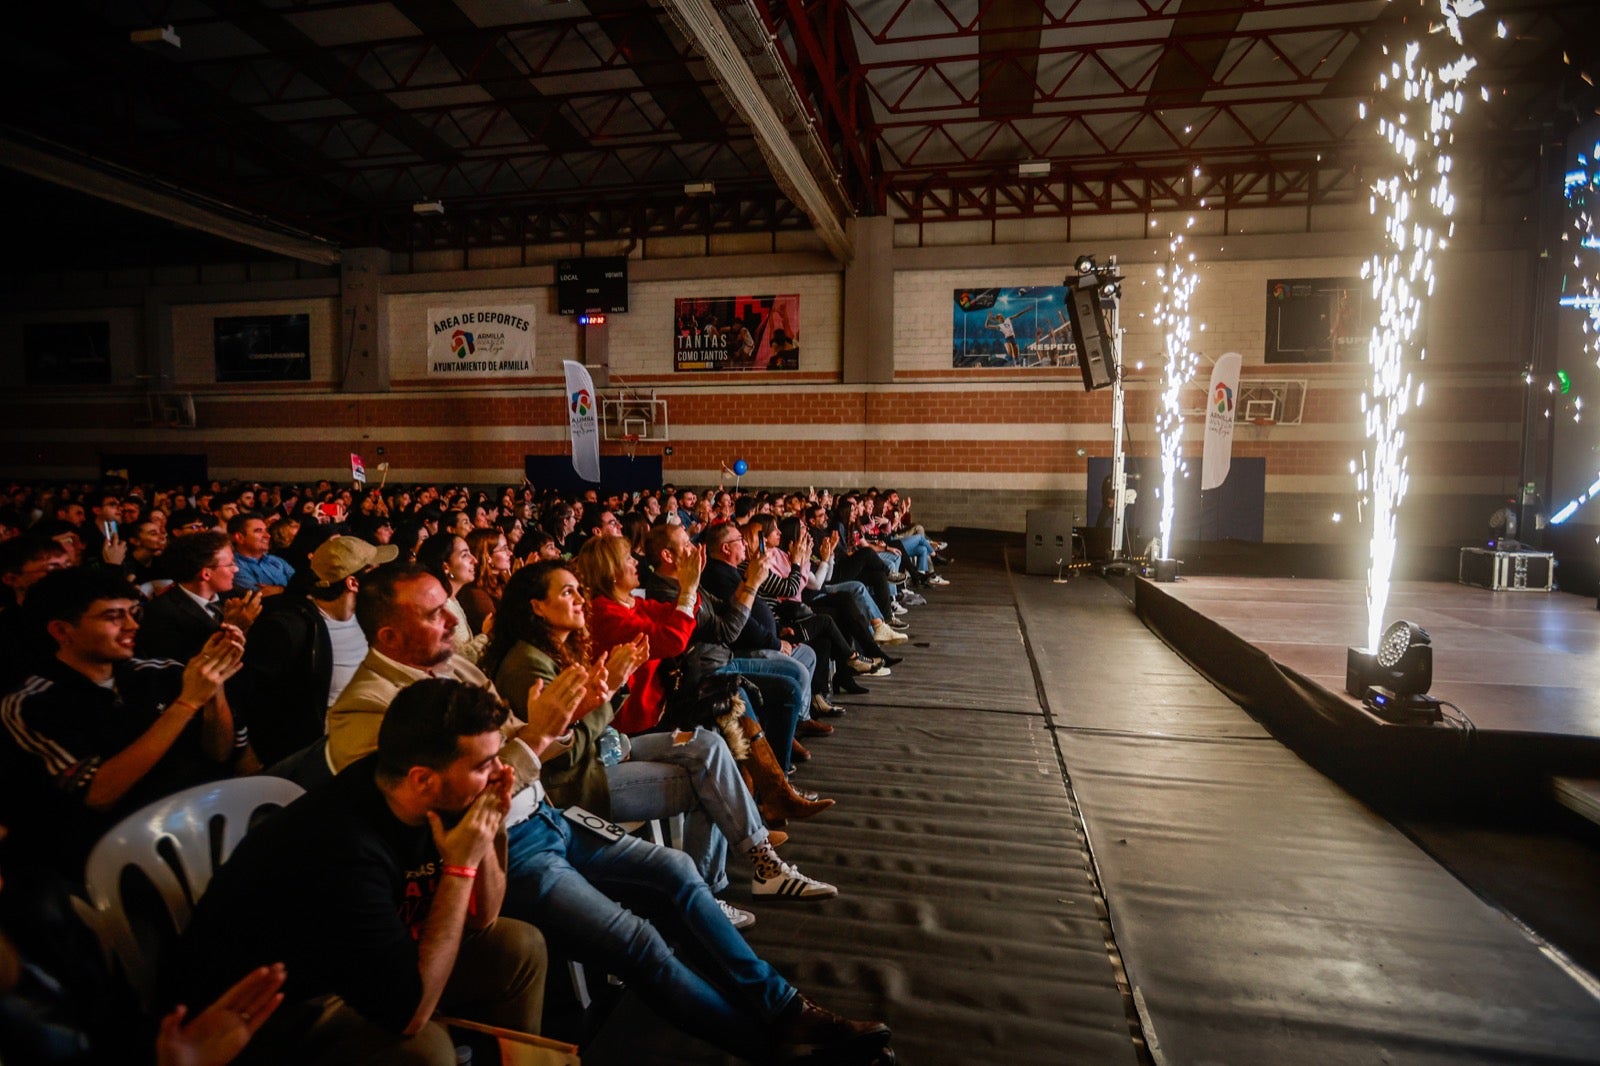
x=478 y=341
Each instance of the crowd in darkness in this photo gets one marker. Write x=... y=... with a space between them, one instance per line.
x=474 y=687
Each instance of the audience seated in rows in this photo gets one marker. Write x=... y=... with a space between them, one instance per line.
x=266 y=630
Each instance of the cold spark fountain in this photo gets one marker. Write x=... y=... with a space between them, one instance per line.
x=1177 y=278
x=1417 y=100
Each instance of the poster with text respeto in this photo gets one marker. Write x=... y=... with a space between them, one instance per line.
x=1022 y=327
x=479 y=341
x=737 y=333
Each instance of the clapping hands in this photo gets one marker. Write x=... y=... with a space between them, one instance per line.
x=624 y=659
x=220 y=659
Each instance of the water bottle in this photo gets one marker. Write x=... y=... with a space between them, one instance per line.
x=610 y=744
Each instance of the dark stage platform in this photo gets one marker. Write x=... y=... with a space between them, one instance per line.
x=1522 y=666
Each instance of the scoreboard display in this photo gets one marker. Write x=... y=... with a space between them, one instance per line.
x=595 y=284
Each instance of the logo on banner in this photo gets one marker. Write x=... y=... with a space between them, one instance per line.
x=582 y=403
x=461 y=342
x=1224 y=398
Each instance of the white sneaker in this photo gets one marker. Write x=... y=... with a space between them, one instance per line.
x=885 y=635
x=877 y=671
x=897 y=608
x=791 y=884
x=935 y=579
x=737 y=918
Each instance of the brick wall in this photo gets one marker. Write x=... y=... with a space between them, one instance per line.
x=974 y=446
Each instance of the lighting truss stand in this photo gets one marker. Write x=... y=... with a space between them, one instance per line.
x=1120 y=562
x=1119 y=478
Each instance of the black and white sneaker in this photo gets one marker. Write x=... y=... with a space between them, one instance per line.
x=790 y=883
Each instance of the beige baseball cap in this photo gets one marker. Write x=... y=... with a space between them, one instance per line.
x=340 y=557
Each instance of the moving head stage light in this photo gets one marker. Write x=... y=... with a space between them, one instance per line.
x=1393 y=681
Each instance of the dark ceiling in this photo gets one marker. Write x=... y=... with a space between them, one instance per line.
x=536 y=122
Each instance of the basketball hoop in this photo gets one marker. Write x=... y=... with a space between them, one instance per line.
x=631 y=443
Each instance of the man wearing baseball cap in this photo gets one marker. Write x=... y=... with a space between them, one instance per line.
x=303 y=650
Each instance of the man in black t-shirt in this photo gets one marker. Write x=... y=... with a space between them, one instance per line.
x=379 y=913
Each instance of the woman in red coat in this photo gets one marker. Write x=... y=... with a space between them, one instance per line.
x=609 y=573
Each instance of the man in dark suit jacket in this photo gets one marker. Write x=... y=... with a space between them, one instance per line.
x=178 y=622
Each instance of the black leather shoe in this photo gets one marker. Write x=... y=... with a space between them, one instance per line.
x=849 y=686
x=892 y=660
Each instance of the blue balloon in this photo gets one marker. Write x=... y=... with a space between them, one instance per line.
x=740 y=467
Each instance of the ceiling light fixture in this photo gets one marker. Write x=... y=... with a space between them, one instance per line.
x=428 y=207
x=1034 y=168
x=156 y=35
x=699 y=188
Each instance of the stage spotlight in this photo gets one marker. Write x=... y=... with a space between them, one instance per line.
x=1393 y=681
x=1110 y=290
x=1406 y=650
x=1085 y=264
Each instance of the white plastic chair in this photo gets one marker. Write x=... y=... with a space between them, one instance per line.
x=185 y=820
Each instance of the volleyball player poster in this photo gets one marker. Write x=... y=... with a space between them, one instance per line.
x=1016 y=327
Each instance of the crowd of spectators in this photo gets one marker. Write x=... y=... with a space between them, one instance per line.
x=473 y=686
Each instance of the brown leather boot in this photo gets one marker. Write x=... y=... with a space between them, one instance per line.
x=776 y=798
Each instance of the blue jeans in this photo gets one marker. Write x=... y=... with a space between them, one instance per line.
x=785 y=684
x=918 y=549
x=698 y=779
x=863 y=598
x=582 y=891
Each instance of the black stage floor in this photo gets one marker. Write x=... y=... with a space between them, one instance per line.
x=1239 y=907
x=1516 y=662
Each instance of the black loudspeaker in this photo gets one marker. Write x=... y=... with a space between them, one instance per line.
x=1096 y=359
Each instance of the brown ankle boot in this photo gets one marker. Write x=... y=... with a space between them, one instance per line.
x=776 y=798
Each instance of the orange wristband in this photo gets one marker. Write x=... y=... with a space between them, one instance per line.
x=469 y=872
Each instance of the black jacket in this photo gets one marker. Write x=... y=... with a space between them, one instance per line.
x=758 y=634
x=174 y=627
x=717 y=622
x=282 y=692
